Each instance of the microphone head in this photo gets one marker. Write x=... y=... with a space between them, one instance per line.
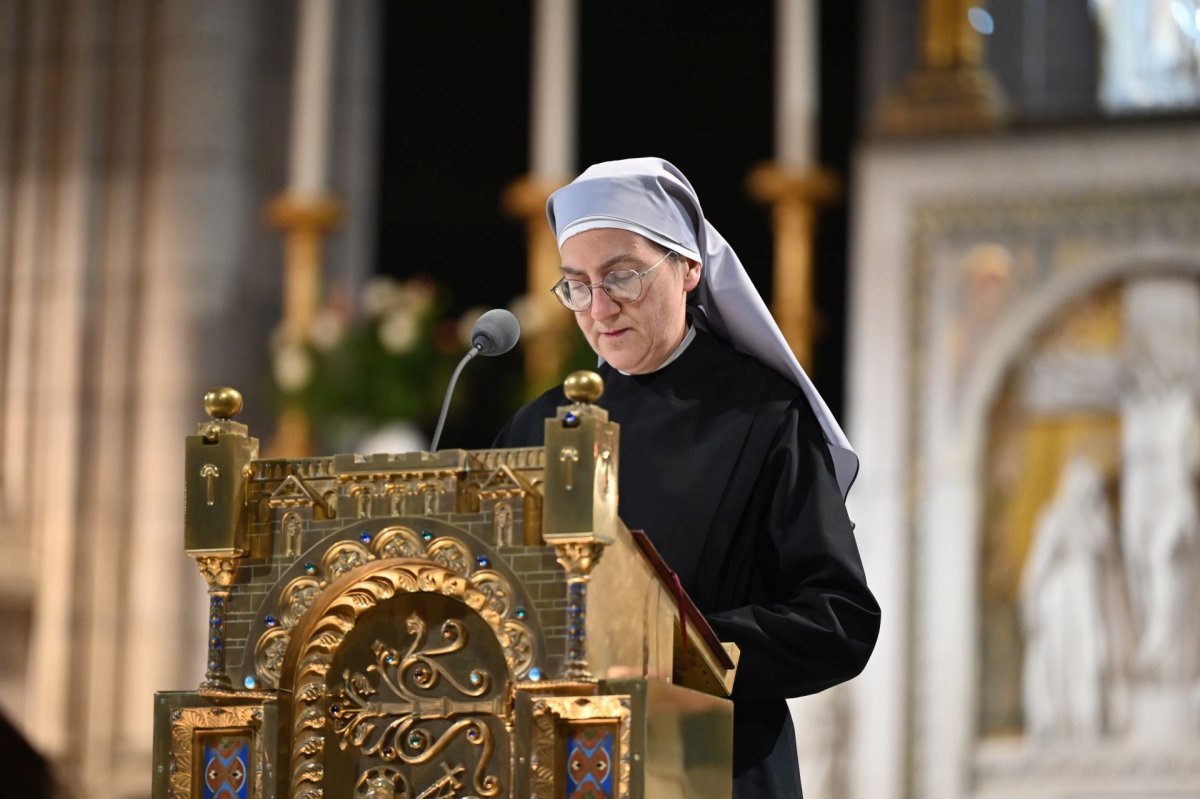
x=496 y=332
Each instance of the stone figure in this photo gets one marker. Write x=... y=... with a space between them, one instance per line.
x=1161 y=536
x=1072 y=606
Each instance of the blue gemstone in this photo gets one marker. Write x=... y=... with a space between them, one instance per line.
x=333 y=710
x=570 y=420
x=535 y=674
x=250 y=682
x=520 y=611
x=310 y=568
x=269 y=621
x=476 y=678
x=482 y=561
x=365 y=537
x=426 y=535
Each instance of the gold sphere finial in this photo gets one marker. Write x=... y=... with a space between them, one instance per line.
x=223 y=403
x=583 y=386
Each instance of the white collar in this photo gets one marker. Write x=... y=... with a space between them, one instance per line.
x=683 y=345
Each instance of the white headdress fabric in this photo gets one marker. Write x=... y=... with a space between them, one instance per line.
x=651 y=197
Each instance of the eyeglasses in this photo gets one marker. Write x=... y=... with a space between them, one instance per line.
x=622 y=285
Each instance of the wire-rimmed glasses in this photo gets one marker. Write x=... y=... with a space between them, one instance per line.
x=622 y=285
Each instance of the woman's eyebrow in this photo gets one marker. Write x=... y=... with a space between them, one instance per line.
x=616 y=259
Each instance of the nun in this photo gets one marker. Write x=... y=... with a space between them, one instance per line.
x=730 y=460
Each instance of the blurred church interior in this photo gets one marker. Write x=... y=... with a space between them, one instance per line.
x=977 y=221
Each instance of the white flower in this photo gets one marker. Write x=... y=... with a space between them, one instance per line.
x=293 y=367
x=326 y=330
x=416 y=295
x=379 y=294
x=399 y=331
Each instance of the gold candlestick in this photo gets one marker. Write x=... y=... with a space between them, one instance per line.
x=794 y=197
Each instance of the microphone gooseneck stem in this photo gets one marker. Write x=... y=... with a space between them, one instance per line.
x=437 y=433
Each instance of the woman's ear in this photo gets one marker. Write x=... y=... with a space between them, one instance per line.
x=691 y=276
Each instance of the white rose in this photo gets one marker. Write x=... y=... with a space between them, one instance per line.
x=326 y=331
x=379 y=294
x=398 y=333
x=293 y=367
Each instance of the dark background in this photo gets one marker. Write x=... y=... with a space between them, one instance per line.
x=689 y=82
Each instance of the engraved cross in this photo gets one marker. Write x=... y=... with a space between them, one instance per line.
x=210 y=474
x=570 y=457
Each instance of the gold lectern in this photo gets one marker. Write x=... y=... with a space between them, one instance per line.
x=449 y=624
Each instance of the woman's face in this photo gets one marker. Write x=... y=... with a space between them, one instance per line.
x=634 y=337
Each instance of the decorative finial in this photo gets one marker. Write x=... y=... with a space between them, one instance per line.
x=583 y=386
x=223 y=403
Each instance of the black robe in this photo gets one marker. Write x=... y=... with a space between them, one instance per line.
x=725 y=467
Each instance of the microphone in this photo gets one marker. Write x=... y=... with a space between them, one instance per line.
x=495 y=333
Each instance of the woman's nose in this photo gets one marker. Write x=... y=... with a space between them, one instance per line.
x=602 y=305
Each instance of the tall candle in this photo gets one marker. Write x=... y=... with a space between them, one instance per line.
x=796 y=83
x=310 y=99
x=552 y=110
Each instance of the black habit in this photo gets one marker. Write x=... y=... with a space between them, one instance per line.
x=725 y=467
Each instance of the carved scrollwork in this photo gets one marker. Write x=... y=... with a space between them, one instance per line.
x=326 y=627
x=342 y=557
x=496 y=589
x=297 y=597
x=399 y=542
x=452 y=554
x=269 y=654
x=578 y=558
x=520 y=649
x=219 y=571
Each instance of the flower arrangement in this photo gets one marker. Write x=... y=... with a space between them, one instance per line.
x=355 y=373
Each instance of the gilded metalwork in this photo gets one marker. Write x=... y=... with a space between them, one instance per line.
x=951 y=90
x=186 y=722
x=578 y=558
x=495 y=588
x=294 y=491
x=314 y=643
x=292 y=528
x=342 y=557
x=358 y=718
x=398 y=542
x=583 y=386
x=521 y=648
x=580 y=498
x=409 y=652
x=550 y=714
x=269 y=653
x=362 y=500
x=794 y=197
x=219 y=571
x=451 y=554
x=297 y=597
x=223 y=403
